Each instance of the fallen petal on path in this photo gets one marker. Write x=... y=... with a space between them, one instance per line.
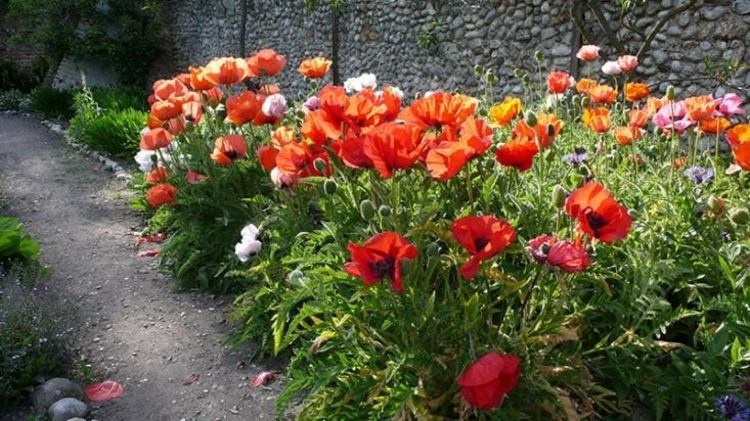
x=104 y=391
x=263 y=378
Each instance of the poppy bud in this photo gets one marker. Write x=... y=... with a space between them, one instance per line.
x=330 y=187
x=367 y=209
x=479 y=70
x=519 y=73
x=716 y=204
x=384 y=210
x=559 y=195
x=632 y=213
x=295 y=277
x=739 y=216
x=670 y=93
x=525 y=79
x=576 y=179
x=538 y=56
x=585 y=102
x=320 y=165
x=490 y=77
x=531 y=118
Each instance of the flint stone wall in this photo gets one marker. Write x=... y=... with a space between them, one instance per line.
x=381 y=36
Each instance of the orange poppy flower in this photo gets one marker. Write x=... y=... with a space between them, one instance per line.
x=175 y=125
x=266 y=62
x=229 y=148
x=319 y=127
x=226 y=71
x=380 y=257
x=679 y=162
x=242 y=108
x=157 y=175
x=198 y=79
x=700 y=107
x=638 y=117
x=315 y=68
x=653 y=105
x=603 y=94
x=214 y=95
x=741 y=154
x=297 y=159
x=165 y=89
x=598 y=213
x=559 y=82
x=547 y=127
x=518 y=153
x=164 y=110
x=447 y=159
x=161 y=194
x=391 y=99
x=597 y=119
x=193 y=111
x=505 y=112
x=393 y=146
x=625 y=135
x=738 y=134
x=584 y=85
x=362 y=110
x=441 y=113
x=269 y=89
x=635 y=92
x=714 y=125
x=483 y=237
x=155 y=139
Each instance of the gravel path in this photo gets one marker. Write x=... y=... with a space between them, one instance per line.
x=133 y=328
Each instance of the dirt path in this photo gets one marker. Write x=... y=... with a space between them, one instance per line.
x=133 y=327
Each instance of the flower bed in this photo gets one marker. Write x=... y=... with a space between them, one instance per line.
x=580 y=251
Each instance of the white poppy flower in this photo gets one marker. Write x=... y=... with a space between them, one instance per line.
x=611 y=68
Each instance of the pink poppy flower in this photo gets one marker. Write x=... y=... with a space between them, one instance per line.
x=588 y=53
x=627 y=63
x=730 y=105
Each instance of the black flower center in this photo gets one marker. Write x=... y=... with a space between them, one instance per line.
x=382 y=268
x=480 y=243
x=231 y=154
x=596 y=221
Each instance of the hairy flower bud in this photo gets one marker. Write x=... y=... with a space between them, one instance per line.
x=320 y=165
x=530 y=118
x=538 y=56
x=716 y=204
x=739 y=216
x=367 y=209
x=559 y=195
x=330 y=187
x=670 y=93
x=384 y=210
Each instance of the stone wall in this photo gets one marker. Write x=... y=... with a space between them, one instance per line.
x=383 y=37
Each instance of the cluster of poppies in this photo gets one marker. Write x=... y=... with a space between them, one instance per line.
x=364 y=128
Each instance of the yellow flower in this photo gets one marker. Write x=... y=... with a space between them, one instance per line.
x=503 y=113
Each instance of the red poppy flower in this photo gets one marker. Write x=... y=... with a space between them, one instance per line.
x=155 y=139
x=447 y=159
x=226 y=71
x=380 y=257
x=161 y=194
x=297 y=159
x=486 y=381
x=518 y=153
x=483 y=237
x=598 y=213
x=157 y=175
x=351 y=151
x=192 y=111
x=242 y=108
x=559 y=82
x=267 y=156
x=393 y=146
x=266 y=62
x=229 y=148
x=319 y=127
x=214 y=95
x=565 y=255
x=315 y=68
x=167 y=88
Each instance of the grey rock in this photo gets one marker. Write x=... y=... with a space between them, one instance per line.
x=742 y=7
x=713 y=13
x=67 y=408
x=53 y=390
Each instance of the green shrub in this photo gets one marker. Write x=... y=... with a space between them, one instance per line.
x=13 y=100
x=52 y=103
x=13 y=244
x=23 y=79
x=120 y=98
x=33 y=334
x=115 y=132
